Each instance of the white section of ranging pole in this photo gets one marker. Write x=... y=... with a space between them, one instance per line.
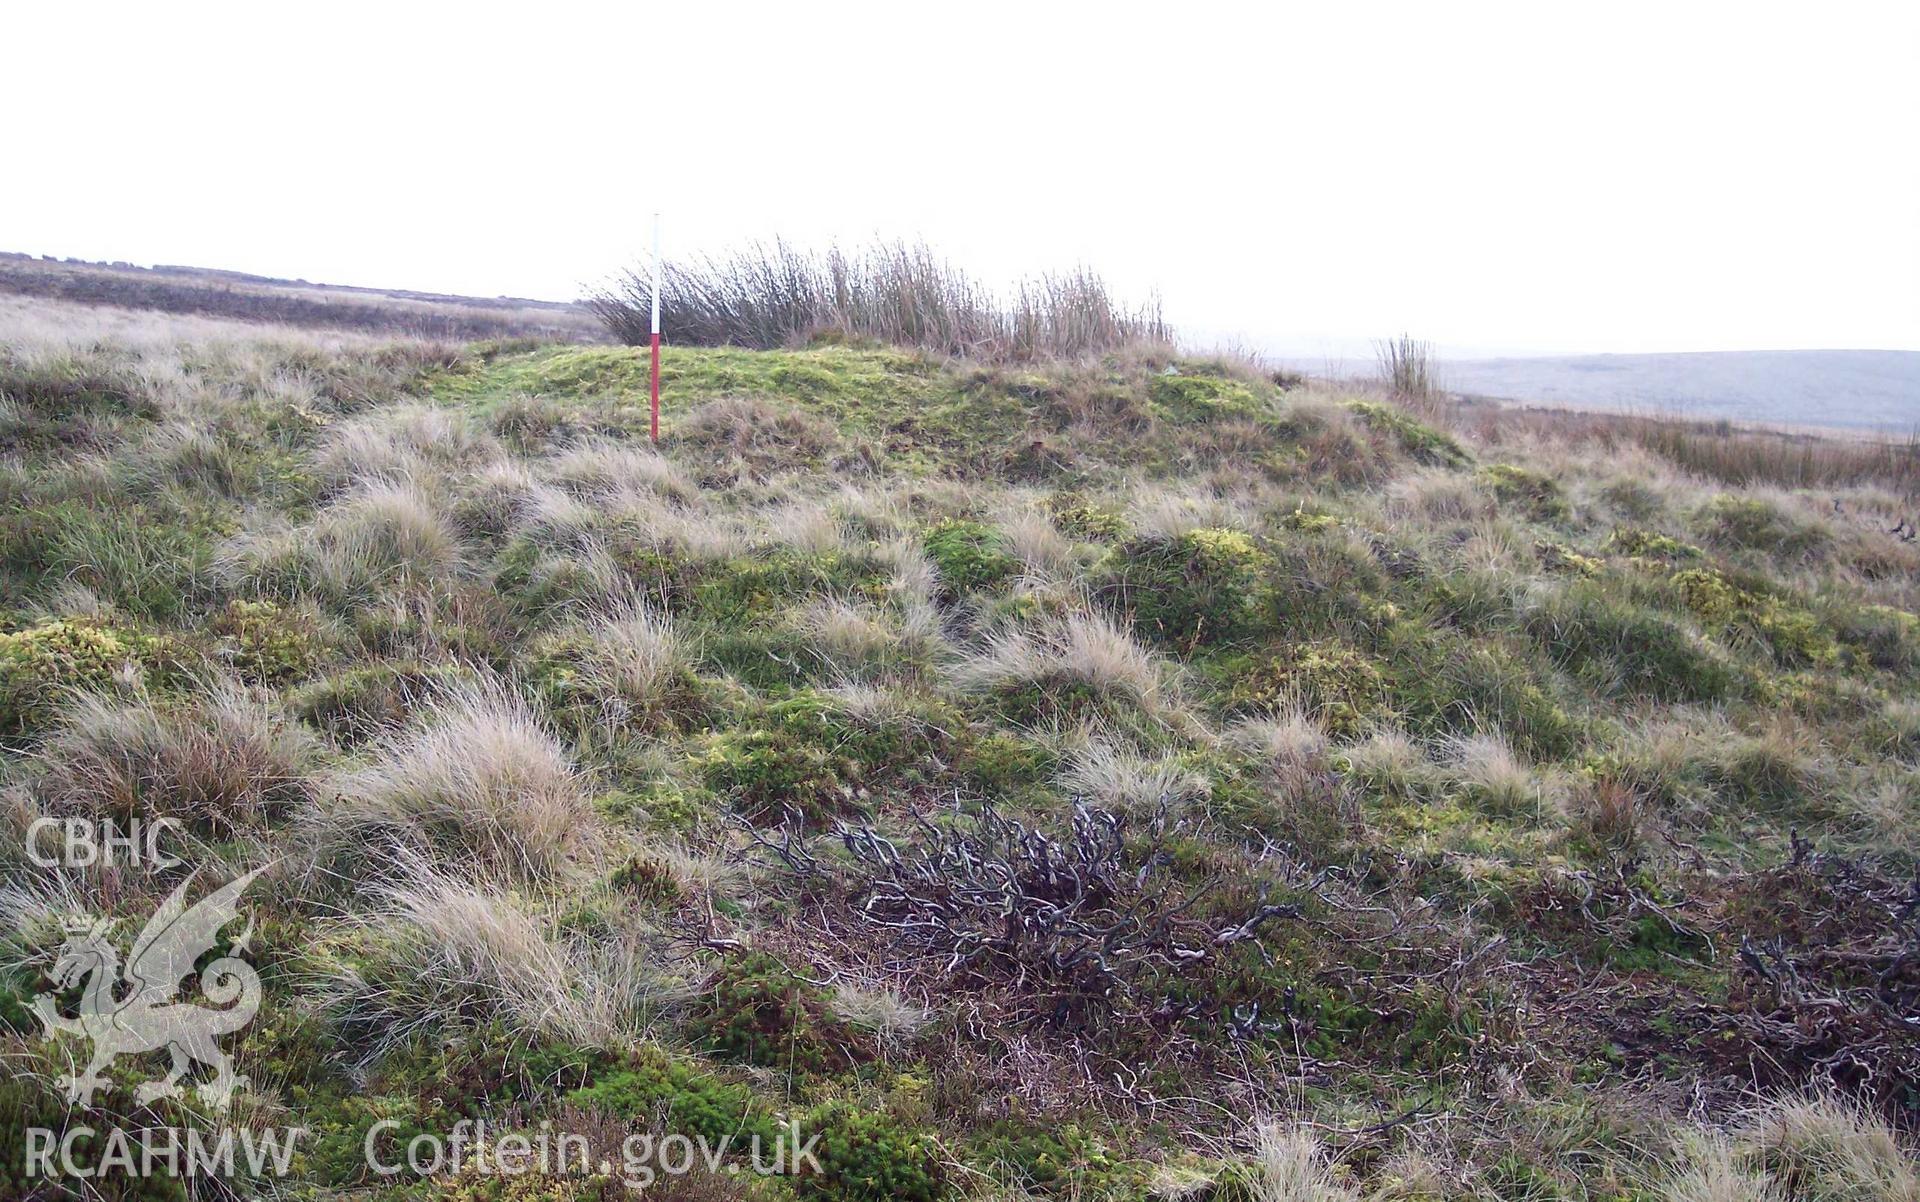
x=656 y=273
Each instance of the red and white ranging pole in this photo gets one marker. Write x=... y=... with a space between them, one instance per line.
x=654 y=422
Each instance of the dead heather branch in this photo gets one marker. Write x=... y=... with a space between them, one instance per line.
x=1082 y=916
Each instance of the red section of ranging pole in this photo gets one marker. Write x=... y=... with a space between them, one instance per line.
x=654 y=425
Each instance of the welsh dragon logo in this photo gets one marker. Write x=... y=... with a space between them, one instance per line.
x=139 y=1014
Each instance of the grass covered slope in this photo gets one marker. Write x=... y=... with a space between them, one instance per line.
x=1121 y=778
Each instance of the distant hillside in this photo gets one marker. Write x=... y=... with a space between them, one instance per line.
x=1877 y=390
x=216 y=293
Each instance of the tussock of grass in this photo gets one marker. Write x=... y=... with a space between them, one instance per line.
x=1291 y=1166
x=809 y=528
x=1710 y=1171
x=1116 y=779
x=854 y=640
x=434 y=950
x=381 y=540
x=1818 y=1148
x=1437 y=496
x=636 y=654
x=616 y=474
x=762 y=436
x=1493 y=775
x=380 y=533
x=1166 y=515
x=224 y=763
x=1389 y=761
x=476 y=778
x=1037 y=543
x=401 y=445
x=893 y=1018
x=1289 y=741
x=1828 y=1150
x=1082 y=654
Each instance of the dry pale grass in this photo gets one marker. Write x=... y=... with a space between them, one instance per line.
x=855 y=639
x=1386 y=750
x=680 y=532
x=1793 y=1149
x=1160 y=513
x=1291 y=1166
x=803 y=526
x=636 y=655
x=1437 y=496
x=617 y=473
x=382 y=533
x=1827 y=1150
x=892 y=1016
x=1037 y=543
x=1901 y=721
x=223 y=763
x=1117 y=778
x=403 y=444
x=1289 y=739
x=383 y=539
x=72 y=599
x=504 y=494
x=476 y=778
x=914 y=588
x=36 y=903
x=1085 y=649
x=1709 y=1169
x=1886 y=811
x=1290 y=747
x=915 y=579
x=551 y=518
x=875 y=706
x=873 y=513
x=437 y=949
x=1497 y=548
x=1497 y=777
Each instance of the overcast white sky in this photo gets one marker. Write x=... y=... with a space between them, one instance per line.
x=1527 y=176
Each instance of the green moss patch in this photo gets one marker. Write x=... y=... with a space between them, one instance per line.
x=1197 y=587
x=42 y=665
x=1535 y=493
x=971 y=556
x=1421 y=442
x=758 y=1011
x=1192 y=398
